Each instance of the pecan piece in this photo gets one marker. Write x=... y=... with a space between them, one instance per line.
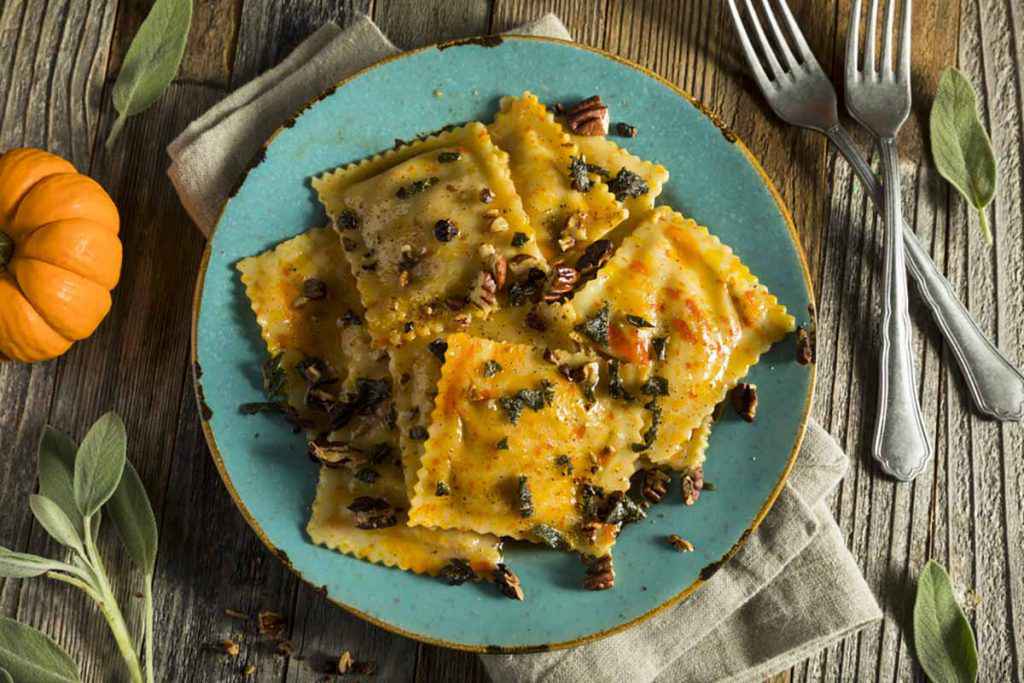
x=561 y=282
x=600 y=574
x=692 y=482
x=482 y=293
x=594 y=256
x=373 y=513
x=744 y=400
x=680 y=543
x=805 y=345
x=589 y=117
x=655 y=485
x=496 y=265
x=508 y=583
x=334 y=454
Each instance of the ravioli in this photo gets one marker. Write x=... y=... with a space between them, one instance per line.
x=514 y=448
x=684 y=318
x=368 y=465
x=420 y=227
x=416 y=369
x=601 y=152
x=541 y=155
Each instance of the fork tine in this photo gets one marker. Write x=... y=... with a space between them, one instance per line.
x=780 y=37
x=903 y=68
x=769 y=53
x=890 y=17
x=853 y=43
x=748 y=49
x=794 y=30
x=869 y=40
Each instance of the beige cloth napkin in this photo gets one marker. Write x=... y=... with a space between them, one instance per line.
x=791 y=590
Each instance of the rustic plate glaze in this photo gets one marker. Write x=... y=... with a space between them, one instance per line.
x=714 y=179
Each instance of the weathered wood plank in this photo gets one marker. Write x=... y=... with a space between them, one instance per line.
x=413 y=23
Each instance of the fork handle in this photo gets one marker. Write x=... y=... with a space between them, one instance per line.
x=901 y=442
x=996 y=386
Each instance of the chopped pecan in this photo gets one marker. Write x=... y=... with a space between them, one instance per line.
x=497 y=266
x=625 y=130
x=499 y=224
x=521 y=263
x=230 y=647
x=373 y=513
x=744 y=400
x=487 y=195
x=655 y=484
x=589 y=117
x=600 y=573
x=590 y=530
x=680 y=543
x=594 y=256
x=482 y=293
x=805 y=342
x=334 y=454
x=345 y=662
x=561 y=282
x=692 y=483
x=508 y=582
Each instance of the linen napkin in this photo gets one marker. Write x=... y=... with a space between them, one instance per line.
x=791 y=590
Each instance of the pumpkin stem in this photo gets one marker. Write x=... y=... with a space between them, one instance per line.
x=6 y=249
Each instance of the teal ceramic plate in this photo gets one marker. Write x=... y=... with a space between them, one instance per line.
x=714 y=179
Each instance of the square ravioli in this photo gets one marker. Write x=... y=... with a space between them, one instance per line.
x=422 y=227
x=684 y=320
x=340 y=386
x=568 y=207
x=416 y=369
x=516 y=448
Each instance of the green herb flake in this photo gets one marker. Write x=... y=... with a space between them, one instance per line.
x=651 y=434
x=457 y=572
x=637 y=321
x=534 y=399
x=367 y=475
x=419 y=433
x=564 y=465
x=442 y=489
x=449 y=157
x=438 y=347
x=623 y=509
x=961 y=147
x=519 y=239
x=660 y=347
x=273 y=377
x=943 y=639
x=348 y=220
x=445 y=230
x=491 y=368
x=616 y=389
x=627 y=184
x=524 y=498
x=502 y=444
x=655 y=386
x=579 y=177
x=550 y=537
x=416 y=187
x=596 y=326
x=590 y=497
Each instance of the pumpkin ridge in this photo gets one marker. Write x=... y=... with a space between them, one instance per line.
x=60 y=243
x=71 y=304
x=24 y=334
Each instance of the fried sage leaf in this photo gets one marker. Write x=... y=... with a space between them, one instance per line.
x=942 y=635
x=961 y=147
x=152 y=60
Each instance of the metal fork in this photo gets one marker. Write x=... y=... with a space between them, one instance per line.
x=801 y=94
x=879 y=98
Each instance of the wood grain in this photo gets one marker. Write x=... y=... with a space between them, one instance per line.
x=57 y=61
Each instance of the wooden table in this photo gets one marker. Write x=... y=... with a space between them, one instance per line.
x=58 y=60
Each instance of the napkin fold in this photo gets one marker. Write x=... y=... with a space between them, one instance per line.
x=791 y=590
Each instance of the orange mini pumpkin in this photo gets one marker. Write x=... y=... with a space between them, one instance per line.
x=59 y=254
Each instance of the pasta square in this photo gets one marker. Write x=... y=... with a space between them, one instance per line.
x=567 y=214
x=684 y=319
x=518 y=449
x=421 y=227
x=361 y=502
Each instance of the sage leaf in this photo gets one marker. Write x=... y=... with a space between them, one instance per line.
x=133 y=518
x=56 y=469
x=942 y=635
x=961 y=147
x=24 y=566
x=5 y=677
x=152 y=60
x=55 y=522
x=99 y=463
x=30 y=655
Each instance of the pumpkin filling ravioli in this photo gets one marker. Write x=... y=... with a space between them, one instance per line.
x=501 y=337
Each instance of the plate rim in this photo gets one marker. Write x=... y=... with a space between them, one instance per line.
x=706 y=573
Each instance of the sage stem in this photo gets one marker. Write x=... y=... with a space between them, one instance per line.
x=109 y=607
x=148 y=626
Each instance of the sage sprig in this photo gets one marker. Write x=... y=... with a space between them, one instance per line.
x=943 y=637
x=152 y=60
x=75 y=485
x=961 y=147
